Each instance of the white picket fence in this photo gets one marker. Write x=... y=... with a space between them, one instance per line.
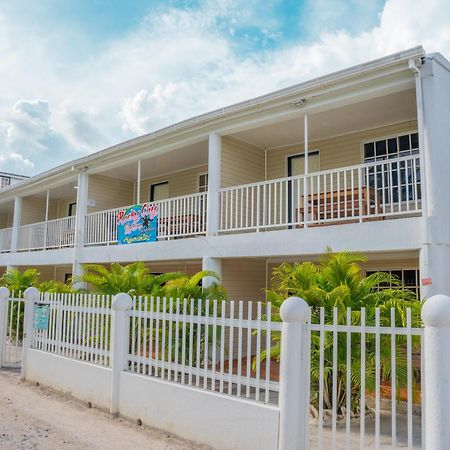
x=363 y=373
x=177 y=217
x=79 y=327
x=208 y=344
x=358 y=193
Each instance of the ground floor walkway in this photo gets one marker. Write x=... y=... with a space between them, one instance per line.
x=33 y=417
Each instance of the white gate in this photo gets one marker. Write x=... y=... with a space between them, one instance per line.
x=11 y=330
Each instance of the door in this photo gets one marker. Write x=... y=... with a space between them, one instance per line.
x=159 y=191
x=296 y=167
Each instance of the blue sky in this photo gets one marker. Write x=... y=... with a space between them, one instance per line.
x=78 y=76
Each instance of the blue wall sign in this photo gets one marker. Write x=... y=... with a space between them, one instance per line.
x=41 y=316
x=138 y=223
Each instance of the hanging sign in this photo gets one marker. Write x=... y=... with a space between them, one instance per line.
x=41 y=315
x=138 y=223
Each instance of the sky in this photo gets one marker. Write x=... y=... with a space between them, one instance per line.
x=77 y=76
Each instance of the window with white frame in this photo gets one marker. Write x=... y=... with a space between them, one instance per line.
x=203 y=182
x=4 y=182
x=397 y=181
x=409 y=278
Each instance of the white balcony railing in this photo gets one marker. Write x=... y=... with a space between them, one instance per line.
x=360 y=193
x=177 y=217
x=56 y=233
x=5 y=240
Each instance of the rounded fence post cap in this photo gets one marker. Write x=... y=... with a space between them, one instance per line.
x=294 y=309
x=436 y=311
x=122 y=302
x=4 y=292
x=31 y=293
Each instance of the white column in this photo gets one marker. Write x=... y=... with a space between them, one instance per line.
x=294 y=368
x=80 y=223
x=213 y=264
x=138 y=186
x=120 y=329
x=31 y=296
x=213 y=203
x=47 y=204
x=306 y=145
x=436 y=317
x=16 y=223
x=4 y=298
x=433 y=114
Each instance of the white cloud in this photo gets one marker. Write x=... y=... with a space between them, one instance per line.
x=175 y=64
x=16 y=163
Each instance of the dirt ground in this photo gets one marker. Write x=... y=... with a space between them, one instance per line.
x=33 y=417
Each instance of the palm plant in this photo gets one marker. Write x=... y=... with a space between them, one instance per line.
x=134 y=279
x=56 y=287
x=17 y=281
x=338 y=283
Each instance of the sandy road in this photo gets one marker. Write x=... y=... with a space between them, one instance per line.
x=33 y=417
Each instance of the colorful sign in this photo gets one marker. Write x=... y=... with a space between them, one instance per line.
x=138 y=223
x=41 y=315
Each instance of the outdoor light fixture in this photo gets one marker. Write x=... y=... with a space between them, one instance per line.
x=300 y=102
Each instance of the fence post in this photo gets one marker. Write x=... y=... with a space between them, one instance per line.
x=4 y=299
x=436 y=318
x=120 y=337
x=31 y=295
x=294 y=368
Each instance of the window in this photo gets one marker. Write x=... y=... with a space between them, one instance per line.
x=4 y=182
x=203 y=182
x=67 y=278
x=159 y=191
x=409 y=278
x=396 y=181
x=72 y=209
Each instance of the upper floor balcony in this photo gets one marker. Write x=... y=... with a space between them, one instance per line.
x=352 y=164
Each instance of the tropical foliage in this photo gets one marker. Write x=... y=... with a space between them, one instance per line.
x=17 y=281
x=338 y=283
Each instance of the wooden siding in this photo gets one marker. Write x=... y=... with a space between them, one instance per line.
x=108 y=193
x=244 y=278
x=341 y=151
x=241 y=163
x=180 y=183
x=33 y=210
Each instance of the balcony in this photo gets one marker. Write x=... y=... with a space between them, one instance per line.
x=376 y=191
x=366 y=192
x=178 y=217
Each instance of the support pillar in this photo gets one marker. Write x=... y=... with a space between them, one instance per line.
x=213 y=264
x=80 y=225
x=16 y=223
x=213 y=202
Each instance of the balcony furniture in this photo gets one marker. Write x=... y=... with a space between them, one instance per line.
x=180 y=225
x=341 y=206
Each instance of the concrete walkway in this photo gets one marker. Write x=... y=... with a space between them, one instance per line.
x=32 y=417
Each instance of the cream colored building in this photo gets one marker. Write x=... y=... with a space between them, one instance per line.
x=354 y=160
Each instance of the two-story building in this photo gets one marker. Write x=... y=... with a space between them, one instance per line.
x=355 y=160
